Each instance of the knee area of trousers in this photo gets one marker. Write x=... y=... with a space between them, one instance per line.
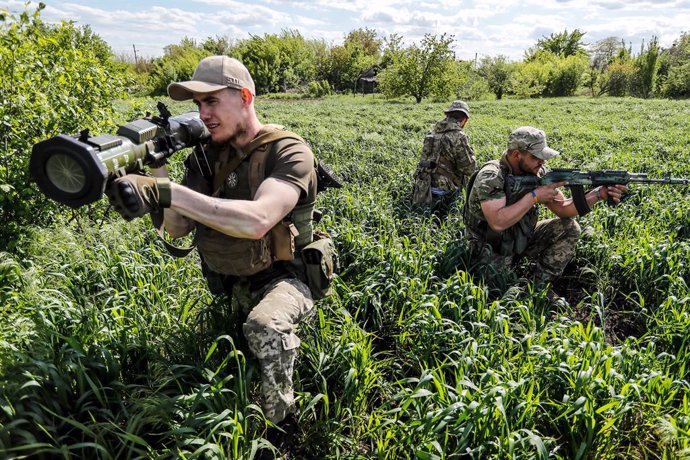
x=258 y=323
x=572 y=227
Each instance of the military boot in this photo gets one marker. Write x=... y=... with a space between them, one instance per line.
x=284 y=437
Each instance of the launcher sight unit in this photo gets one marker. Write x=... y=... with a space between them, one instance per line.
x=75 y=170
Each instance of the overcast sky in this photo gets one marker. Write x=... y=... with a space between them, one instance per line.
x=481 y=28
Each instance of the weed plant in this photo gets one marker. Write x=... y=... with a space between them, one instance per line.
x=110 y=348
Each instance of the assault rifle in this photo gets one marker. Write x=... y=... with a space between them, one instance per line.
x=578 y=179
x=75 y=170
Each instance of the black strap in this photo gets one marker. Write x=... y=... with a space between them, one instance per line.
x=159 y=224
x=578 y=192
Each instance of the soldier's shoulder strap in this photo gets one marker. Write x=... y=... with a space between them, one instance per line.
x=259 y=149
x=473 y=177
x=272 y=133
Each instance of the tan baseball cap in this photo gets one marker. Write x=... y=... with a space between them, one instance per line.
x=213 y=73
x=532 y=140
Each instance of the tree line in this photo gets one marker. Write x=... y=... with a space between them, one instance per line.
x=561 y=64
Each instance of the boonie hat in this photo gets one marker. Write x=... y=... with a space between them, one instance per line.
x=213 y=73
x=459 y=106
x=532 y=140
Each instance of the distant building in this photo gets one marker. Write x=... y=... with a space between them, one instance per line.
x=366 y=84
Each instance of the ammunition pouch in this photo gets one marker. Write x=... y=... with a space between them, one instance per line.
x=513 y=241
x=427 y=164
x=282 y=238
x=321 y=263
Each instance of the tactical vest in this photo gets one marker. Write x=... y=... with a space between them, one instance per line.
x=512 y=241
x=240 y=178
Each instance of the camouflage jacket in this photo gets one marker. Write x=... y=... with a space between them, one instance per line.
x=489 y=184
x=456 y=161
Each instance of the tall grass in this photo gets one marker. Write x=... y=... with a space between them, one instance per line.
x=109 y=348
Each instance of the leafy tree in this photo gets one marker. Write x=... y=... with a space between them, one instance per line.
x=566 y=75
x=472 y=86
x=616 y=80
x=603 y=52
x=677 y=84
x=280 y=62
x=298 y=60
x=367 y=40
x=674 y=68
x=360 y=51
x=647 y=66
x=496 y=71
x=393 y=46
x=562 y=44
x=262 y=57
x=548 y=74
x=556 y=64
x=423 y=70
x=55 y=79
x=529 y=79
x=320 y=51
x=177 y=64
x=218 y=45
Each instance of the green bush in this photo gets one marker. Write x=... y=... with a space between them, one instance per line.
x=55 y=79
x=318 y=88
x=177 y=64
x=677 y=83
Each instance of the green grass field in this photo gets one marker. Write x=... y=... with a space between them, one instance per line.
x=110 y=348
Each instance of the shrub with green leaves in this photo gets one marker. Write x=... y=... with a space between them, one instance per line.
x=55 y=79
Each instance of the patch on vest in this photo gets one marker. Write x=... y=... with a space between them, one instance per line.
x=232 y=180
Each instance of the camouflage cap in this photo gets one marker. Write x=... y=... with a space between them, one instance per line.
x=459 y=106
x=212 y=74
x=532 y=140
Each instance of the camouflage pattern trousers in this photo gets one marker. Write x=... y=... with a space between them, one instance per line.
x=270 y=332
x=552 y=246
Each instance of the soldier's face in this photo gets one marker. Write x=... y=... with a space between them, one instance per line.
x=222 y=113
x=529 y=164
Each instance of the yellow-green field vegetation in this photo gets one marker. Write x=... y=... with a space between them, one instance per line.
x=111 y=348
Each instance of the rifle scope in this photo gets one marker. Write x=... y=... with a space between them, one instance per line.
x=75 y=170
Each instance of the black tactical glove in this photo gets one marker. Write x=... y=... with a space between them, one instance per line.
x=135 y=195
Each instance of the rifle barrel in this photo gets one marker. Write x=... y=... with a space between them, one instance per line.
x=666 y=180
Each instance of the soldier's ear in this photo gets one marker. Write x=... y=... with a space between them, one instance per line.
x=247 y=95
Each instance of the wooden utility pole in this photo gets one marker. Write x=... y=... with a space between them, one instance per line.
x=136 y=61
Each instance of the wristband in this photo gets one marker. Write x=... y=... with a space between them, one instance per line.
x=534 y=197
x=164 y=192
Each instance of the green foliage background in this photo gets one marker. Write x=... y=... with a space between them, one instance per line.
x=112 y=349
x=55 y=78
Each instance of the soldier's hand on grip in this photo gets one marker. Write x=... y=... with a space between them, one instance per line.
x=135 y=195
